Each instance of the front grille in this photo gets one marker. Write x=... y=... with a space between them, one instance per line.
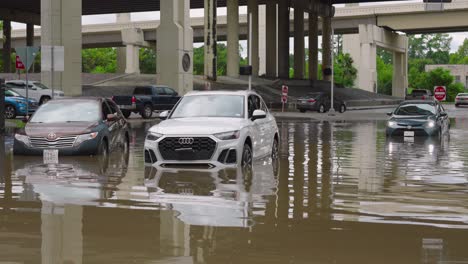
x=59 y=143
x=228 y=156
x=413 y=125
x=417 y=132
x=202 y=148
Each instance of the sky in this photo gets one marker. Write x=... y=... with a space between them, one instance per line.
x=457 y=38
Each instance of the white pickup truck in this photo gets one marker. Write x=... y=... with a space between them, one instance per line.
x=37 y=90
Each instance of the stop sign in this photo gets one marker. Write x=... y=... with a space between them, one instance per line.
x=19 y=63
x=440 y=93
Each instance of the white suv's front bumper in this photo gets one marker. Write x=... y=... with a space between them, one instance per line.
x=221 y=145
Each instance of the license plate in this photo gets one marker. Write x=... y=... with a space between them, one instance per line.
x=51 y=156
x=409 y=134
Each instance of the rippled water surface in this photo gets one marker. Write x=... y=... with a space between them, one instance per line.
x=341 y=192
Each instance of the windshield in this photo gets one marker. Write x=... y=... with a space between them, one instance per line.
x=40 y=85
x=67 y=111
x=210 y=106
x=416 y=109
x=10 y=93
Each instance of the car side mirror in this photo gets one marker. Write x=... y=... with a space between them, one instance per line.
x=258 y=114
x=111 y=117
x=390 y=113
x=443 y=114
x=164 y=115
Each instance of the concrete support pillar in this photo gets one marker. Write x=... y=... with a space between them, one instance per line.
x=30 y=35
x=261 y=40
x=313 y=46
x=175 y=53
x=211 y=54
x=132 y=59
x=6 y=52
x=326 y=45
x=299 y=49
x=283 y=39
x=61 y=26
x=400 y=74
x=122 y=51
x=271 y=41
x=368 y=67
x=233 y=58
x=252 y=8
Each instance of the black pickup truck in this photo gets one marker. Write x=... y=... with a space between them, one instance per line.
x=147 y=99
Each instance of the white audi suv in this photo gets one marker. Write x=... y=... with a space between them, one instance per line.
x=215 y=129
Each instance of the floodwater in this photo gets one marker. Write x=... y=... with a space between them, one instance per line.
x=340 y=193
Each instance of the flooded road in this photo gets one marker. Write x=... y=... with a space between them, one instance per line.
x=341 y=192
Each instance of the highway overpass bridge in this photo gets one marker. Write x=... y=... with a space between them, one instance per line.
x=61 y=25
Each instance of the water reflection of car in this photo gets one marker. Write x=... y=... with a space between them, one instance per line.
x=74 y=126
x=418 y=118
x=319 y=102
x=215 y=197
x=77 y=180
x=16 y=105
x=214 y=129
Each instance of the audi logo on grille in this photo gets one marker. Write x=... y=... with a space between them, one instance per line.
x=186 y=141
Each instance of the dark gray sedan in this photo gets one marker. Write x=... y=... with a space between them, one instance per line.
x=418 y=118
x=319 y=102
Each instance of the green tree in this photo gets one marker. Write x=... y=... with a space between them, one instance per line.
x=344 y=71
x=461 y=56
x=384 y=76
x=99 y=60
x=147 y=61
x=435 y=46
x=453 y=89
x=199 y=60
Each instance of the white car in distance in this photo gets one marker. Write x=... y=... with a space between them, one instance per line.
x=37 y=90
x=216 y=129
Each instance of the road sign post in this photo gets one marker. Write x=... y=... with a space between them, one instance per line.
x=440 y=93
x=284 y=96
x=27 y=54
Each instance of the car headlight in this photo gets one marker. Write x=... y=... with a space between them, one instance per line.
x=22 y=138
x=391 y=123
x=153 y=136
x=228 y=135
x=85 y=137
x=430 y=124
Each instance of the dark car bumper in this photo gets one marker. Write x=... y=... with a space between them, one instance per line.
x=310 y=107
x=418 y=131
x=86 y=148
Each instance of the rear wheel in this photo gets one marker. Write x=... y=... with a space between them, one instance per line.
x=302 y=110
x=456 y=105
x=321 y=109
x=247 y=156
x=44 y=99
x=126 y=113
x=147 y=111
x=342 y=108
x=10 y=112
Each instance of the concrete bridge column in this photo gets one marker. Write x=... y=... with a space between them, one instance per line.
x=271 y=41
x=175 y=53
x=233 y=58
x=6 y=52
x=61 y=26
x=299 y=49
x=122 y=51
x=283 y=39
x=327 y=45
x=132 y=59
x=400 y=74
x=313 y=46
x=252 y=8
x=211 y=53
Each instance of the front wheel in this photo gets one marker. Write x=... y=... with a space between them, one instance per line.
x=247 y=156
x=302 y=110
x=103 y=149
x=44 y=100
x=275 y=149
x=10 y=112
x=147 y=111
x=456 y=105
x=342 y=108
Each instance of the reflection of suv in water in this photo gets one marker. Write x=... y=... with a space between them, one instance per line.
x=74 y=126
x=36 y=90
x=214 y=129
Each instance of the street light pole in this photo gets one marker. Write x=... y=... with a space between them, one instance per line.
x=332 y=82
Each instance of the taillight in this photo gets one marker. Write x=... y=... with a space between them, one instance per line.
x=311 y=100
x=133 y=100
x=424 y=97
x=113 y=99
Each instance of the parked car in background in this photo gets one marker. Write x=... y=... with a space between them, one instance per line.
x=16 y=105
x=420 y=94
x=220 y=129
x=147 y=99
x=418 y=118
x=319 y=102
x=37 y=90
x=74 y=126
x=461 y=99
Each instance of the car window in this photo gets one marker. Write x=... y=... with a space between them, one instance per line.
x=159 y=90
x=40 y=85
x=113 y=107
x=142 y=91
x=16 y=85
x=169 y=91
x=9 y=93
x=251 y=106
x=264 y=107
x=105 y=110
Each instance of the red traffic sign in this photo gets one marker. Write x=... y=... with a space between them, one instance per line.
x=440 y=93
x=284 y=98
x=19 y=64
x=285 y=90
